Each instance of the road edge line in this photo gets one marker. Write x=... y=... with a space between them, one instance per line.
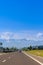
x=32 y=58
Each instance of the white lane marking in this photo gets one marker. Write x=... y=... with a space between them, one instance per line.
x=4 y=61
x=33 y=58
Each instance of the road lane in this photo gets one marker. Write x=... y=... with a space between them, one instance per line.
x=17 y=59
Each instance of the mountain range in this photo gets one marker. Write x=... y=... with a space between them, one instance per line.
x=20 y=43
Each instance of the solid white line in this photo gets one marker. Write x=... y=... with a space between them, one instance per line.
x=33 y=58
x=4 y=61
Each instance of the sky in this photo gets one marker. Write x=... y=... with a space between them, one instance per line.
x=21 y=19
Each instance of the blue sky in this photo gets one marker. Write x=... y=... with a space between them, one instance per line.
x=21 y=17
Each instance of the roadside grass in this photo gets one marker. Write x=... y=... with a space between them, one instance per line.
x=35 y=52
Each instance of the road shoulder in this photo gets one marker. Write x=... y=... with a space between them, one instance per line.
x=35 y=58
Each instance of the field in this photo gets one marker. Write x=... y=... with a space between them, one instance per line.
x=36 y=52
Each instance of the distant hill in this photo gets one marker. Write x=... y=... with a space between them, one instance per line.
x=19 y=43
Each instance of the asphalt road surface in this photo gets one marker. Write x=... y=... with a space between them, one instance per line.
x=16 y=58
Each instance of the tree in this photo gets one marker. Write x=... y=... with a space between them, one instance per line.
x=25 y=49
x=0 y=43
x=30 y=48
x=13 y=49
x=1 y=48
x=6 y=49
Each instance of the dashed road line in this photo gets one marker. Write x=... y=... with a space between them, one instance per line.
x=4 y=61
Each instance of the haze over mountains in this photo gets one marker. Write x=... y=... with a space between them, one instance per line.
x=19 y=43
x=21 y=39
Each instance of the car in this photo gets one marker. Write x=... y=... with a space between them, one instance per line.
x=20 y=51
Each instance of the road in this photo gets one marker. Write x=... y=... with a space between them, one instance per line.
x=16 y=58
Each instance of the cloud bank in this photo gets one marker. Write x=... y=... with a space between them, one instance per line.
x=21 y=35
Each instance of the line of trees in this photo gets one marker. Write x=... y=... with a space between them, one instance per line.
x=7 y=49
x=33 y=48
x=13 y=49
x=10 y=49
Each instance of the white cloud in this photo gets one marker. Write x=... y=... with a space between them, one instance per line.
x=39 y=34
x=21 y=35
x=5 y=35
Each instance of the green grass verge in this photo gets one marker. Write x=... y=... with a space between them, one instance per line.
x=36 y=52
